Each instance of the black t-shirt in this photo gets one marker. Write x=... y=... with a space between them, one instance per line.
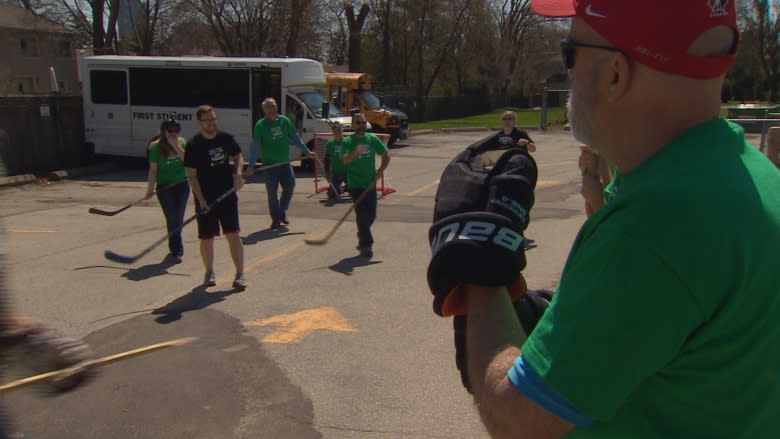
x=211 y=159
x=515 y=135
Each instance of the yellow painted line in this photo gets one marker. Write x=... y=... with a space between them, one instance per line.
x=292 y=328
x=30 y=231
x=235 y=348
x=259 y=263
x=427 y=186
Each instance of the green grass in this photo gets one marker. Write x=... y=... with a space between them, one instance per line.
x=525 y=118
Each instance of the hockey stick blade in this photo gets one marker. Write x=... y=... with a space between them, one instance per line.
x=97 y=211
x=320 y=241
x=116 y=257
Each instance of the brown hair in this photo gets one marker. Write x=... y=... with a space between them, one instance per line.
x=203 y=109
x=162 y=143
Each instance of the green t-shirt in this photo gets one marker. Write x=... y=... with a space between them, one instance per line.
x=361 y=171
x=274 y=137
x=335 y=150
x=612 y=188
x=666 y=323
x=169 y=169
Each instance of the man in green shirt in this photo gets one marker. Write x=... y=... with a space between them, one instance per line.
x=360 y=151
x=271 y=139
x=664 y=323
x=333 y=164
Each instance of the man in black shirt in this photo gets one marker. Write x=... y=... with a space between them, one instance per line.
x=207 y=160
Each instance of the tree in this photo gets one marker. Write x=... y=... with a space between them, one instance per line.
x=336 y=35
x=355 y=26
x=384 y=16
x=515 y=24
x=296 y=28
x=760 y=17
x=95 y=20
x=147 y=21
x=240 y=27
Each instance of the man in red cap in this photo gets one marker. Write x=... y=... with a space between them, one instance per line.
x=665 y=321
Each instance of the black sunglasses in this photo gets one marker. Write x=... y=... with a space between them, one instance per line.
x=173 y=130
x=569 y=46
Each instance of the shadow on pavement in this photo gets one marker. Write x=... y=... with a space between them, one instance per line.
x=141 y=273
x=347 y=266
x=267 y=234
x=196 y=299
x=151 y=270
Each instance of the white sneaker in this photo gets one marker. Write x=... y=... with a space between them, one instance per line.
x=210 y=279
x=240 y=283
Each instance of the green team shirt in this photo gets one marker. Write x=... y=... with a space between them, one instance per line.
x=666 y=323
x=361 y=171
x=274 y=136
x=169 y=169
x=335 y=150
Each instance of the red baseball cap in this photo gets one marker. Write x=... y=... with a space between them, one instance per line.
x=656 y=33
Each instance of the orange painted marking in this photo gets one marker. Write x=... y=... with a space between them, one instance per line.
x=292 y=328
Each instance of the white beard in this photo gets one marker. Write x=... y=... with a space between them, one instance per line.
x=579 y=111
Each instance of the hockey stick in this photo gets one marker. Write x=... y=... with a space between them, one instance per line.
x=93 y=363
x=263 y=168
x=112 y=256
x=97 y=211
x=324 y=239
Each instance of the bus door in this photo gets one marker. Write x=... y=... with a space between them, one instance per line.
x=107 y=118
x=266 y=83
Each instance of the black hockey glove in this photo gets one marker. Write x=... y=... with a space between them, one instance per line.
x=482 y=208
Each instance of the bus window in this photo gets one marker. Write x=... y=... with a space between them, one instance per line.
x=108 y=87
x=166 y=87
x=294 y=112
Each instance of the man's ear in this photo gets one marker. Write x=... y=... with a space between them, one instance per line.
x=621 y=73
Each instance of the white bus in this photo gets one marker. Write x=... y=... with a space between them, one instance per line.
x=127 y=97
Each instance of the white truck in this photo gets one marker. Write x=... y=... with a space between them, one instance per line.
x=127 y=97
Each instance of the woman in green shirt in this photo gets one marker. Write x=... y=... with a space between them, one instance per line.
x=166 y=171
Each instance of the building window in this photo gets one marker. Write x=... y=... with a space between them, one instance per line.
x=64 y=49
x=28 y=47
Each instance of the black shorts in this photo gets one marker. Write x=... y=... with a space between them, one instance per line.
x=225 y=213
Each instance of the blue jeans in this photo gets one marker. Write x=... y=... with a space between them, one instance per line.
x=173 y=201
x=365 y=214
x=336 y=181
x=282 y=175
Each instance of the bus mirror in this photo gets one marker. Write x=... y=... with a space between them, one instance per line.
x=325 y=109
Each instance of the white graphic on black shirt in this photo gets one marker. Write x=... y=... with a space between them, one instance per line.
x=216 y=156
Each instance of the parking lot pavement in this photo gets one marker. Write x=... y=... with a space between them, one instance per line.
x=323 y=343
